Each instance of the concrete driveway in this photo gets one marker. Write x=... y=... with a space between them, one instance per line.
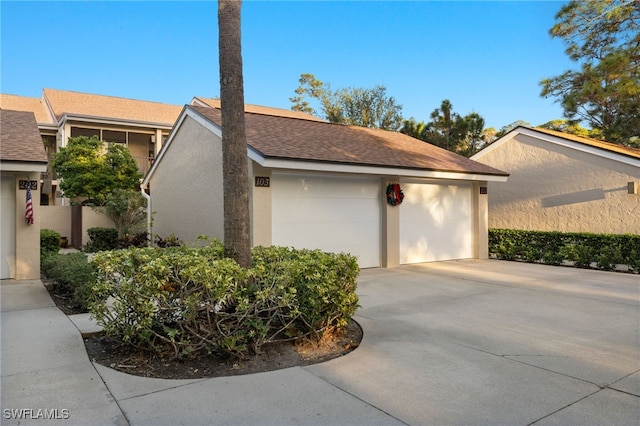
x=448 y=343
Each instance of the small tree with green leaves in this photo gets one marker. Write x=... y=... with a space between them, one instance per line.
x=127 y=209
x=92 y=173
x=365 y=107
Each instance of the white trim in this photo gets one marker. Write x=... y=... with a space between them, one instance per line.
x=21 y=166
x=186 y=112
x=47 y=126
x=203 y=121
x=315 y=166
x=494 y=145
x=165 y=146
x=375 y=170
x=111 y=121
x=593 y=150
x=149 y=210
x=255 y=155
x=197 y=102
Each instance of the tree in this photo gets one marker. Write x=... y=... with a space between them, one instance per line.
x=570 y=127
x=509 y=127
x=464 y=135
x=440 y=128
x=413 y=128
x=235 y=166
x=353 y=106
x=603 y=37
x=127 y=209
x=90 y=172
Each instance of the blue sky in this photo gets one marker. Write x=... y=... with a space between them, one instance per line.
x=485 y=57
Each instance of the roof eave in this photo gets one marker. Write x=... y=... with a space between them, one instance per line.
x=557 y=140
x=23 y=166
x=112 y=121
x=321 y=166
x=187 y=111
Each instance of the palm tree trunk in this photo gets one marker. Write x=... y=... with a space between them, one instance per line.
x=237 y=240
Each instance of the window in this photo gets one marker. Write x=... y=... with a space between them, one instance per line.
x=81 y=131
x=114 y=136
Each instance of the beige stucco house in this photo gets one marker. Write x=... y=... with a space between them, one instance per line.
x=140 y=125
x=315 y=184
x=562 y=182
x=22 y=159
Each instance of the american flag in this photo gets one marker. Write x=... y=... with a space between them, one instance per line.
x=29 y=210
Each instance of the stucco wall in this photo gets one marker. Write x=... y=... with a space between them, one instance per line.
x=480 y=221
x=556 y=188
x=186 y=188
x=57 y=218
x=27 y=236
x=260 y=207
x=92 y=219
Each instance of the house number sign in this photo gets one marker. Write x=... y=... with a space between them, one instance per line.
x=263 y=181
x=22 y=184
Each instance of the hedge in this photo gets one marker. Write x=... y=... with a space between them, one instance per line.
x=49 y=242
x=604 y=251
x=101 y=239
x=74 y=274
x=179 y=301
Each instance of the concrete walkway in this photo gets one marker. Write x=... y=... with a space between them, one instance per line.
x=447 y=343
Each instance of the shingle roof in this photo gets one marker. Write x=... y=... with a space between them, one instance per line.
x=258 y=109
x=89 y=105
x=23 y=103
x=288 y=138
x=20 y=138
x=620 y=149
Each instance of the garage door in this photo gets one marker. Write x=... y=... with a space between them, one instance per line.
x=7 y=227
x=334 y=214
x=436 y=223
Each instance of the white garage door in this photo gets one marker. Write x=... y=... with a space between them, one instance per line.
x=7 y=227
x=334 y=214
x=436 y=223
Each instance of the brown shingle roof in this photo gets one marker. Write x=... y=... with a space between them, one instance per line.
x=20 y=138
x=287 y=138
x=257 y=109
x=85 y=104
x=608 y=146
x=23 y=103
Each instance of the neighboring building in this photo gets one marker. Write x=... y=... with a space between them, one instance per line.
x=315 y=184
x=258 y=109
x=141 y=125
x=563 y=182
x=22 y=158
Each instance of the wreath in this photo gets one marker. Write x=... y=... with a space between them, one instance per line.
x=394 y=194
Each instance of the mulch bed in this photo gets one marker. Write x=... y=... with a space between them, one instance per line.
x=125 y=358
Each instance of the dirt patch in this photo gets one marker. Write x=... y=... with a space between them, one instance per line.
x=62 y=299
x=119 y=356
x=126 y=359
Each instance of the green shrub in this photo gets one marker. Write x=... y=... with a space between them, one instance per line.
x=583 y=249
x=136 y=240
x=49 y=242
x=170 y=241
x=101 y=239
x=192 y=299
x=74 y=274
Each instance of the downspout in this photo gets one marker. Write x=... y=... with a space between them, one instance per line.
x=148 y=198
